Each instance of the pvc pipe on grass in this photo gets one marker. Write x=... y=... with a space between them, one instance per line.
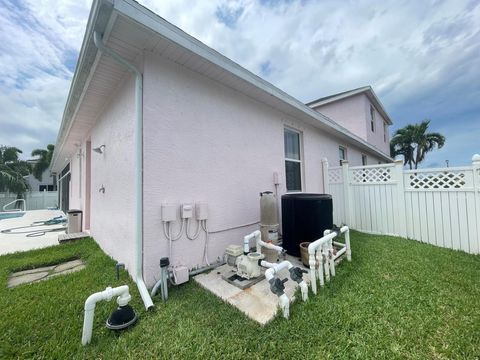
x=107 y=294
x=142 y=289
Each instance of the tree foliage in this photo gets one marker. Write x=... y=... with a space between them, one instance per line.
x=13 y=171
x=44 y=160
x=414 y=142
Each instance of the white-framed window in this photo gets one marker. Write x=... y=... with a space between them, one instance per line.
x=385 y=132
x=364 y=159
x=293 y=160
x=372 y=118
x=342 y=153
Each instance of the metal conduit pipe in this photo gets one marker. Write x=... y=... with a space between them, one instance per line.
x=142 y=289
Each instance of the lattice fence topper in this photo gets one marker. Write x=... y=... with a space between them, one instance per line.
x=372 y=175
x=435 y=180
x=335 y=175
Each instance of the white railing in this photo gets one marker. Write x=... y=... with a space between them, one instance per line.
x=436 y=206
x=34 y=200
x=14 y=202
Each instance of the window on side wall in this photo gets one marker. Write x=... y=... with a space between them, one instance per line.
x=342 y=153
x=364 y=159
x=372 y=118
x=293 y=161
x=385 y=130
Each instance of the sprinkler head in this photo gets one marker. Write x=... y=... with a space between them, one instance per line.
x=122 y=318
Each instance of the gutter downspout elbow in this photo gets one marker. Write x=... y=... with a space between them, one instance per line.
x=142 y=289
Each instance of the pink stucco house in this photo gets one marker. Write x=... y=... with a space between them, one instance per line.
x=173 y=121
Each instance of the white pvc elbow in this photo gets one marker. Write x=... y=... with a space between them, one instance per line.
x=123 y=298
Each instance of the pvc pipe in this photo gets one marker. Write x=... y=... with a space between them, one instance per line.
x=142 y=289
x=159 y=285
x=312 y=250
x=283 y=300
x=246 y=240
x=107 y=294
x=270 y=246
x=257 y=235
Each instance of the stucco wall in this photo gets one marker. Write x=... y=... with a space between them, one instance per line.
x=113 y=212
x=206 y=142
x=376 y=138
x=349 y=113
x=353 y=113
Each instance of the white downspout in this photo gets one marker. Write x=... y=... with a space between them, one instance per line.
x=147 y=300
x=107 y=294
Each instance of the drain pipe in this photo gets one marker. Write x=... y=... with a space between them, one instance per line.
x=107 y=294
x=142 y=289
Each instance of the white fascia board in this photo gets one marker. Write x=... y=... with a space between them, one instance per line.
x=100 y=9
x=152 y=21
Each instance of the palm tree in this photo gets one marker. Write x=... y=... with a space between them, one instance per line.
x=44 y=159
x=414 y=142
x=13 y=171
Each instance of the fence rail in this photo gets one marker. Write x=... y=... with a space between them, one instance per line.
x=436 y=206
x=35 y=200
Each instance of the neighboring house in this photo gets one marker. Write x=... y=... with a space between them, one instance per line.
x=213 y=132
x=361 y=112
x=46 y=184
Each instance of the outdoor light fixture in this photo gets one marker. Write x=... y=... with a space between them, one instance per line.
x=99 y=149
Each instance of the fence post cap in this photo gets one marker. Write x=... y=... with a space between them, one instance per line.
x=398 y=161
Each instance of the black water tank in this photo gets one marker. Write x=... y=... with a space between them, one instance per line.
x=304 y=218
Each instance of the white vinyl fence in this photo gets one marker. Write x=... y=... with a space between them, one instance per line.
x=35 y=200
x=436 y=206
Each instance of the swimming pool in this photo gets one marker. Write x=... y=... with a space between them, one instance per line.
x=10 y=215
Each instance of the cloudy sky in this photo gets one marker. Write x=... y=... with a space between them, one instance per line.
x=421 y=57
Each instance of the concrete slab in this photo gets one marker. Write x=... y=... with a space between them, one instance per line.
x=257 y=301
x=25 y=279
x=72 y=237
x=44 y=273
x=19 y=241
x=67 y=265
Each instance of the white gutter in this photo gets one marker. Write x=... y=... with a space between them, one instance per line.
x=147 y=300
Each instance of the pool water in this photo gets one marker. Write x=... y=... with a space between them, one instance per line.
x=10 y=215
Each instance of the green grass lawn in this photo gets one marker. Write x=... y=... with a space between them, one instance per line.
x=396 y=299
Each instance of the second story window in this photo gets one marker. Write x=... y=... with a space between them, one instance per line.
x=342 y=152
x=385 y=131
x=293 y=162
x=372 y=118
